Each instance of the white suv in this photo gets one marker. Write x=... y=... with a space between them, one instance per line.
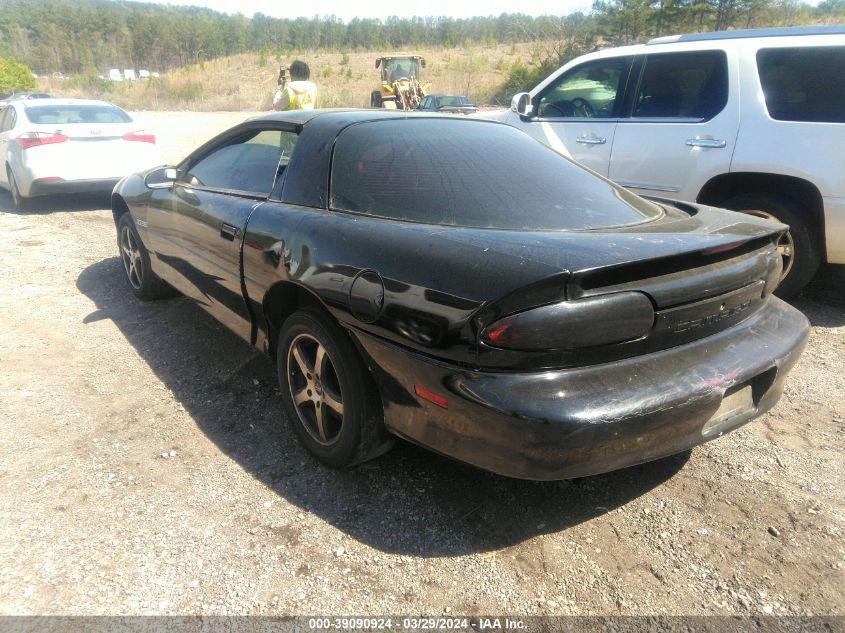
x=747 y=120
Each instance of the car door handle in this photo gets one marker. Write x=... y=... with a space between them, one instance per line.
x=228 y=232
x=712 y=143
x=591 y=140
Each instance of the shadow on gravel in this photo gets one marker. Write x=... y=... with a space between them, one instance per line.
x=51 y=204
x=409 y=501
x=823 y=300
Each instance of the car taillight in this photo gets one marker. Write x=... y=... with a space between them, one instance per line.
x=601 y=320
x=140 y=137
x=34 y=139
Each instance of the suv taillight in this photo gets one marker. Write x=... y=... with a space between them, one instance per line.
x=140 y=137
x=34 y=139
x=601 y=320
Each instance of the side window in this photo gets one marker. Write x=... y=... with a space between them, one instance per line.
x=799 y=83
x=7 y=119
x=591 y=90
x=251 y=163
x=683 y=86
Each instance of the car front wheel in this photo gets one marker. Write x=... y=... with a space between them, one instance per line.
x=798 y=247
x=329 y=397
x=143 y=282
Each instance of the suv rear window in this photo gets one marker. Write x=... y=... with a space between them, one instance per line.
x=474 y=174
x=804 y=84
x=683 y=86
x=64 y=114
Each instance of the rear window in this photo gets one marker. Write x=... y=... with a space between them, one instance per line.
x=64 y=114
x=473 y=174
x=452 y=101
x=804 y=84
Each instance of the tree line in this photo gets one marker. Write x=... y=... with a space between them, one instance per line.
x=84 y=36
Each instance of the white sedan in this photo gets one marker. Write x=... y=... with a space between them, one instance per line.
x=52 y=146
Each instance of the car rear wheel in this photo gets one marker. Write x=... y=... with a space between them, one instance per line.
x=329 y=397
x=143 y=282
x=18 y=201
x=798 y=247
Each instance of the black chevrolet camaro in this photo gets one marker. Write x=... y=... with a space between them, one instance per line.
x=456 y=283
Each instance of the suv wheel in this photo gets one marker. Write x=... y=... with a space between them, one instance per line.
x=798 y=246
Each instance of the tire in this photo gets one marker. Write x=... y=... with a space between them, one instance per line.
x=799 y=246
x=339 y=416
x=375 y=99
x=18 y=201
x=138 y=272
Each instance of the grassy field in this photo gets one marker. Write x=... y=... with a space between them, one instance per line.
x=247 y=82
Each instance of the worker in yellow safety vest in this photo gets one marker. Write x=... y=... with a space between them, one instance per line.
x=297 y=94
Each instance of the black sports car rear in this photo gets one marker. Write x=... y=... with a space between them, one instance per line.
x=457 y=283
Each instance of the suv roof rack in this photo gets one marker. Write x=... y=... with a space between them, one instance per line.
x=837 y=29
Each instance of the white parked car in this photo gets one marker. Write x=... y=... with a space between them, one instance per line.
x=748 y=120
x=115 y=75
x=51 y=146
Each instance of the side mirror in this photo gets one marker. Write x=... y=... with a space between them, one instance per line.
x=161 y=178
x=521 y=103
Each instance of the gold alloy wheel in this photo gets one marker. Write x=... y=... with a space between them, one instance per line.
x=315 y=389
x=131 y=256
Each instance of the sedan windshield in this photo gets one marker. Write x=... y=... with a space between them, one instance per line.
x=473 y=174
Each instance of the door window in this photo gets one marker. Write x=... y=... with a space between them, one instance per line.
x=250 y=163
x=7 y=119
x=683 y=86
x=804 y=84
x=592 y=90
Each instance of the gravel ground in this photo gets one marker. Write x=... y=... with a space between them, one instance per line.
x=147 y=469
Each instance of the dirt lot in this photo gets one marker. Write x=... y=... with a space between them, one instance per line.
x=147 y=469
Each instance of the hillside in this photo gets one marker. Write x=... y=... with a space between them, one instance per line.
x=246 y=82
x=90 y=36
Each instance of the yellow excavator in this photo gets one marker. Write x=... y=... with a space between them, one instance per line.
x=401 y=84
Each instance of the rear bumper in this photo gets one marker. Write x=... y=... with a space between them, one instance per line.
x=568 y=423
x=52 y=187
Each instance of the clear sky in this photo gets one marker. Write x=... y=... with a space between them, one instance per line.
x=379 y=9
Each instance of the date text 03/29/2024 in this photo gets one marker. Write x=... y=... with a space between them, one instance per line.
x=418 y=624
